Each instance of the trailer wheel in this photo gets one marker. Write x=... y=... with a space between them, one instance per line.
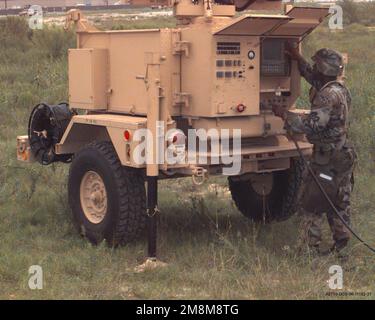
x=268 y=197
x=108 y=201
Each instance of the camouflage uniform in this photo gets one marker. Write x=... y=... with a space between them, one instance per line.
x=332 y=160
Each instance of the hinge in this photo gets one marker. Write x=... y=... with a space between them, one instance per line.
x=181 y=47
x=161 y=93
x=181 y=99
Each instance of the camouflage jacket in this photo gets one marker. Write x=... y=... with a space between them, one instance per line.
x=326 y=125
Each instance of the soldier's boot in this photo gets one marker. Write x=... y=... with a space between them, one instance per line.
x=341 y=244
x=340 y=248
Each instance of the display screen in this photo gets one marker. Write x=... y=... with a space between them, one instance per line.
x=274 y=60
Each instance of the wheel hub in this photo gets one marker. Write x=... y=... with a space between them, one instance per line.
x=93 y=197
x=262 y=183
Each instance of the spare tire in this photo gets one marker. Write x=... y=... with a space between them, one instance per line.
x=268 y=197
x=47 y=124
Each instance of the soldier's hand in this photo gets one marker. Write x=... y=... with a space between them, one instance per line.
x=279 y=111
x=292 y=51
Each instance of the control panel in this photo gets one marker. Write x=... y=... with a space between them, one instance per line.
x=236 y=69
x=236 y=76
x=228 y=60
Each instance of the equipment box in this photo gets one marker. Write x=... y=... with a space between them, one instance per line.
x=88 y=78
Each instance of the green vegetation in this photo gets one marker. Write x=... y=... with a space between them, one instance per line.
x=354 y=12
x=363 y=12
x=212 y=251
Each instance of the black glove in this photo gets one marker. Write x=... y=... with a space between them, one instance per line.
x=279 y=111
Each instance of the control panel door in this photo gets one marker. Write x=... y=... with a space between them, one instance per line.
x=304 y=20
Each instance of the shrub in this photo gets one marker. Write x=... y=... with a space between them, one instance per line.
x=14 y=32
x=53 y=42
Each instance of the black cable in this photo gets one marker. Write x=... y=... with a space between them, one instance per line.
x=326 y=195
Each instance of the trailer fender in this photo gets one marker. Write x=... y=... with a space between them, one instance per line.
x=84 y=129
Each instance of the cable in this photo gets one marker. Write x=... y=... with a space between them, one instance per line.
x=326 y=195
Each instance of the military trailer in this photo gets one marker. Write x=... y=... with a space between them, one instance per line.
x=216 y=70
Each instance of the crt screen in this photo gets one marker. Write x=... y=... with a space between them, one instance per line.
x=273 y=50
x=274 y=62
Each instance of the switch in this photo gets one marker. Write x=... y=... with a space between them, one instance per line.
x=219 y=63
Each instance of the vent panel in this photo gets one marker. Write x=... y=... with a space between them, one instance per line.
x=228 y=48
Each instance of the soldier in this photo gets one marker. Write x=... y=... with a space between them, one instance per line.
x=333 y=156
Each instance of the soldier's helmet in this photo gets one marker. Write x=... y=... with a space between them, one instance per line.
x=329 y=62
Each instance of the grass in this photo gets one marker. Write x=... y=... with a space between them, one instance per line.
x=211 y=250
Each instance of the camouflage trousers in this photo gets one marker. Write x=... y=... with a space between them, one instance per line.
x=314 y=205
x=312 y=221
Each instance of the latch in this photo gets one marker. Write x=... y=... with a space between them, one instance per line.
x=181 y=99
x=181 y=47
x=266 y=126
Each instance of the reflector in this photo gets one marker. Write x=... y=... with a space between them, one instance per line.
x=127 y=135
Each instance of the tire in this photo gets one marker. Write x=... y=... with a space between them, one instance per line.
x=108 y=201
x=281 y=196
